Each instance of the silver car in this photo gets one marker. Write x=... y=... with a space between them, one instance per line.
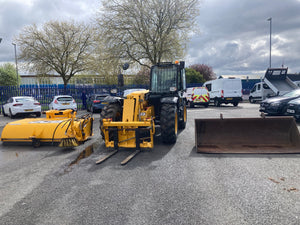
x=63 y=102
x=21 y=105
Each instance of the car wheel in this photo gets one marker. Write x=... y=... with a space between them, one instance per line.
x=10 y=114
x=38 y=114
x=217 y=102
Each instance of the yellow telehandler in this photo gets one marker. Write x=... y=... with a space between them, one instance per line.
x=130 y=122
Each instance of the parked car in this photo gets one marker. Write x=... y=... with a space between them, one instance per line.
x=197 y=96
x=21 y=105
x=95 y=102
x=293 y=108
x=63 y=102
x=278 y=105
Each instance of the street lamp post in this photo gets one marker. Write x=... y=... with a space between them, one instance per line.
x=270 y=19
x=15 y=46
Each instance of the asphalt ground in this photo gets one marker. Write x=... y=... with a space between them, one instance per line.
x=170 y=184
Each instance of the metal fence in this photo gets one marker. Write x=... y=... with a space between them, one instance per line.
x=45 y=93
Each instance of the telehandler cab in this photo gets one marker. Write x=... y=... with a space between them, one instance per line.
x=130 y=122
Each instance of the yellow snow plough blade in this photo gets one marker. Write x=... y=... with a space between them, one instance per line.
x=247 y=135
x=61 y=127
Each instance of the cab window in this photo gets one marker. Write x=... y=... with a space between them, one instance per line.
x=208 y=86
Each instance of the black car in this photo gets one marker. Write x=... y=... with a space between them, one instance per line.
x=293 y=108
x=278 y=105
x=95 y=102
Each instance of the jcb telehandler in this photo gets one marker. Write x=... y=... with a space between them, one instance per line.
x=130 y=122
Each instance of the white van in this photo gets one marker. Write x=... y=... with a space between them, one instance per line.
x=197 y=96
x=259 y=92
x=225 y=90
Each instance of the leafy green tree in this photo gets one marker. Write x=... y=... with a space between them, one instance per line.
x=8 y=75
x=192 y=76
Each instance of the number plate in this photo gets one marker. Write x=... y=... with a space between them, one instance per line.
x=228 y=98
x=290 y=111
x=66 y=103
x=28 y=110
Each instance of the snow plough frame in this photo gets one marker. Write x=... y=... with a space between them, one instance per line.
x=59 y=127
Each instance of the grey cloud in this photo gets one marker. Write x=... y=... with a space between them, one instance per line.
x=222 y=23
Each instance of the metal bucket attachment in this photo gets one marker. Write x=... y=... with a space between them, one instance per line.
x=247 y=135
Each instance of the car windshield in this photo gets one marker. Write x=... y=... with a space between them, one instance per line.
x=294 y=93
x=24 y=99
x=65 y=99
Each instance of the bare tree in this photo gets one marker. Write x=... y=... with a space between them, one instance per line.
x=147 y=32
x=142 y=76
x=61 y=47
x=104 y=64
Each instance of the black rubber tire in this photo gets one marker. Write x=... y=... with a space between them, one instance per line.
x=38 y=114
x=235 y=103
x=251 y=100
x=217 y=102
x=169 y=123
x=206 y=105
x=183 y=119
x=189 y=104
x=11 y=115
x=113 y=111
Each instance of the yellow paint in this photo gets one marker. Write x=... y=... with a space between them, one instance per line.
x=57 y=125
x=136 y=114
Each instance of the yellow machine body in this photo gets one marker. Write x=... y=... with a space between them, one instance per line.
x=247 y=135
x=137 y=127
x=56 y=127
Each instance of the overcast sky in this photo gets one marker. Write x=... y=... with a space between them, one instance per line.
x=233 y=36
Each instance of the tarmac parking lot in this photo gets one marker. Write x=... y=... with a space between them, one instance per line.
x=169 y=184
